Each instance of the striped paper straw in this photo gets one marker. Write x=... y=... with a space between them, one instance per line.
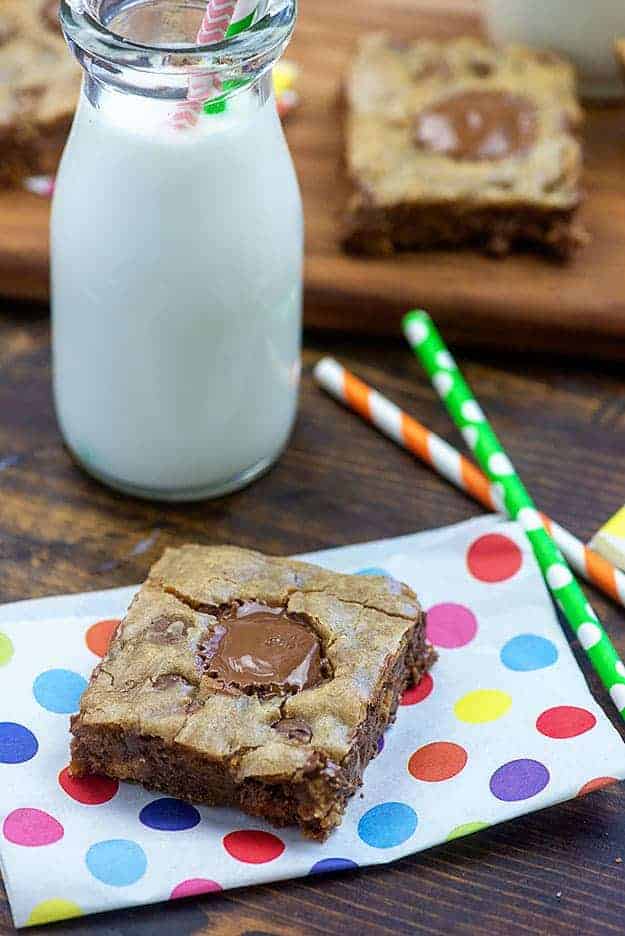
x=428 y=346
x=448 y=462
x=216 y=21
x=216 y=24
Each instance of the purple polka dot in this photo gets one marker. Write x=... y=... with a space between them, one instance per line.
x=169 y=815
x=328 y=865
x=519 y=780
x=451 y=625
x=380 y=744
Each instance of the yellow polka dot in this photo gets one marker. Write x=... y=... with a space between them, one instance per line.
x=6 y=649
x=467 y=828
x=483 y=705
x=49 y=911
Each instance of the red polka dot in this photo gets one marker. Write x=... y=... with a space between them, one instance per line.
x=99 y=636
x=597 y=783
x=439 y=760
x=450 y=625
x=253 y=846
x=494 y=558
x=91 y=791
x=31 y=827
x=194 y=886
x=565 y=721
x=419 y=692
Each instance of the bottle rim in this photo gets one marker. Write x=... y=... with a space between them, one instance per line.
x=250 y=51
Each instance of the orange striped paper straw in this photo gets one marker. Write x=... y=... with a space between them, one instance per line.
x=451 y=464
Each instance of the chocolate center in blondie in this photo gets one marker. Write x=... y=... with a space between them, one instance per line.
x=255 y=647
x=478 y=125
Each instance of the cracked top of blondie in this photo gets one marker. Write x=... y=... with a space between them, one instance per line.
x=267 y=663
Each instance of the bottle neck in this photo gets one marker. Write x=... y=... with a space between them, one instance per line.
x=194 y=105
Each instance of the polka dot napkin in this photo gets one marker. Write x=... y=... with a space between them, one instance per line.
x=504 y=725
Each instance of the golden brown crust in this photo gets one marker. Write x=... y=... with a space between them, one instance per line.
x=437 y=198
x=38 y=92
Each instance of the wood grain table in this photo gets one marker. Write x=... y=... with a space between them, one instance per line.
x=555 y=872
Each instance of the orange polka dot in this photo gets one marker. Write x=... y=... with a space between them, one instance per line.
x=597 y=783
x=439 y=760
x=99 y=636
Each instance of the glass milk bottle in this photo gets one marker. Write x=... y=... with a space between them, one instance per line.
x=176 y=252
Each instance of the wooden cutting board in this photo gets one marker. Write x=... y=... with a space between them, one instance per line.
x=522 y=302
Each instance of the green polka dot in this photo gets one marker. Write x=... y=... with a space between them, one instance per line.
x=6 y=649
x=467 y=828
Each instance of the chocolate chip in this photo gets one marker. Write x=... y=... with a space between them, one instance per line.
x=125 y=685
x=169 y=680
x=295 y=729
x=208 y=645
x=166 y=630
x=481 y=69
x=435 y=68
x=503 y=183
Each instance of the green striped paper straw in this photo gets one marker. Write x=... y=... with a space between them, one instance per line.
x=427 y=344
x=247 y=12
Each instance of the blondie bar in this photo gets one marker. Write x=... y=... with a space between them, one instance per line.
x=237 y=679
x=459 y=142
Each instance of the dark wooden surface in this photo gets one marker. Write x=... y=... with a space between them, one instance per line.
x=534 y=302
x=555 y=872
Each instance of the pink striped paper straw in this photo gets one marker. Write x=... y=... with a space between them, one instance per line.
x=448 y=462
x=214 y=26
x=216 y=21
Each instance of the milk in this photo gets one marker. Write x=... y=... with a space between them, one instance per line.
x=176 y=284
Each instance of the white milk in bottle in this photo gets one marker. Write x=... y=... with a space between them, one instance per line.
x=176 y=259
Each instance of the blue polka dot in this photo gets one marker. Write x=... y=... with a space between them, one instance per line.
x=373 y=570
x=169 y=815
x=528 y=652
x=387 y=825
x=327 y=865
x=380 y=744
x=118 y=862
x=17 y=743
x=59 y=690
